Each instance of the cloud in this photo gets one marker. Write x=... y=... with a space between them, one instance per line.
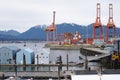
x=27 y=13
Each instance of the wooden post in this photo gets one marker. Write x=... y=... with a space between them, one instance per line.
x=3 y=76
x=15 y=68
x=59 y=66
x=24 y=62
x=67 y=61
x=58 y=71
x=86 y=62
x=37 y=60
x=118 y=43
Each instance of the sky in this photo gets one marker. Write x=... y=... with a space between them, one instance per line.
x=20 y=15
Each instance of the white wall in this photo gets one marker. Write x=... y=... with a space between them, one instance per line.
x=73 y=55
x=43 y=57
x=96 y=77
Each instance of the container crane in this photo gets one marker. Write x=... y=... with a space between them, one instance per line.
x=110 y=25
x=51 y=34
x=97 y=24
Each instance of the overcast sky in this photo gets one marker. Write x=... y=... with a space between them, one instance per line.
x=20 y=15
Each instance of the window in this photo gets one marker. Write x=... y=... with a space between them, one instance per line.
x=41 y=53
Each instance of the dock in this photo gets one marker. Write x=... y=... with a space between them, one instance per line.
x=34 y=71
x=94 y=53
x=90 y=51
x=38 y=75
x=28 y=74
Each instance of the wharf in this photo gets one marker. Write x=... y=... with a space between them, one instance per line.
x=90 y=51
x=28 y=74
x=54 y=74
x=94 y=53
x=38 y=65
x=38 y=75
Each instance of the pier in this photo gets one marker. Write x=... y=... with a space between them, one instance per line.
x=30 y=74
x=40 y=71
x=90 y=51
x=94 y=53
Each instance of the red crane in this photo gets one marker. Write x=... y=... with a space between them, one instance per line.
x=110 y=25
x=97 y=24
x=51 y=34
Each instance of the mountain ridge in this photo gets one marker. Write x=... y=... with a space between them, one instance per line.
x=38 y=32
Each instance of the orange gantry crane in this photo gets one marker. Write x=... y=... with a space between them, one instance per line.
x=110 y=25
x=97 y=24
x=51 y=34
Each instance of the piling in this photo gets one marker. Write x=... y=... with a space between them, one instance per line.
x=67 y=61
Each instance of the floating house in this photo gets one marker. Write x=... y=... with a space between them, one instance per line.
x=23 y=57
x=43 y=56
x=26 y=53
x=8 y=54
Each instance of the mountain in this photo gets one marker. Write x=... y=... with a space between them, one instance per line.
x=7 y=37
x=71 y=27
x=10 y=32
x=38 y=32
x=34 y=33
